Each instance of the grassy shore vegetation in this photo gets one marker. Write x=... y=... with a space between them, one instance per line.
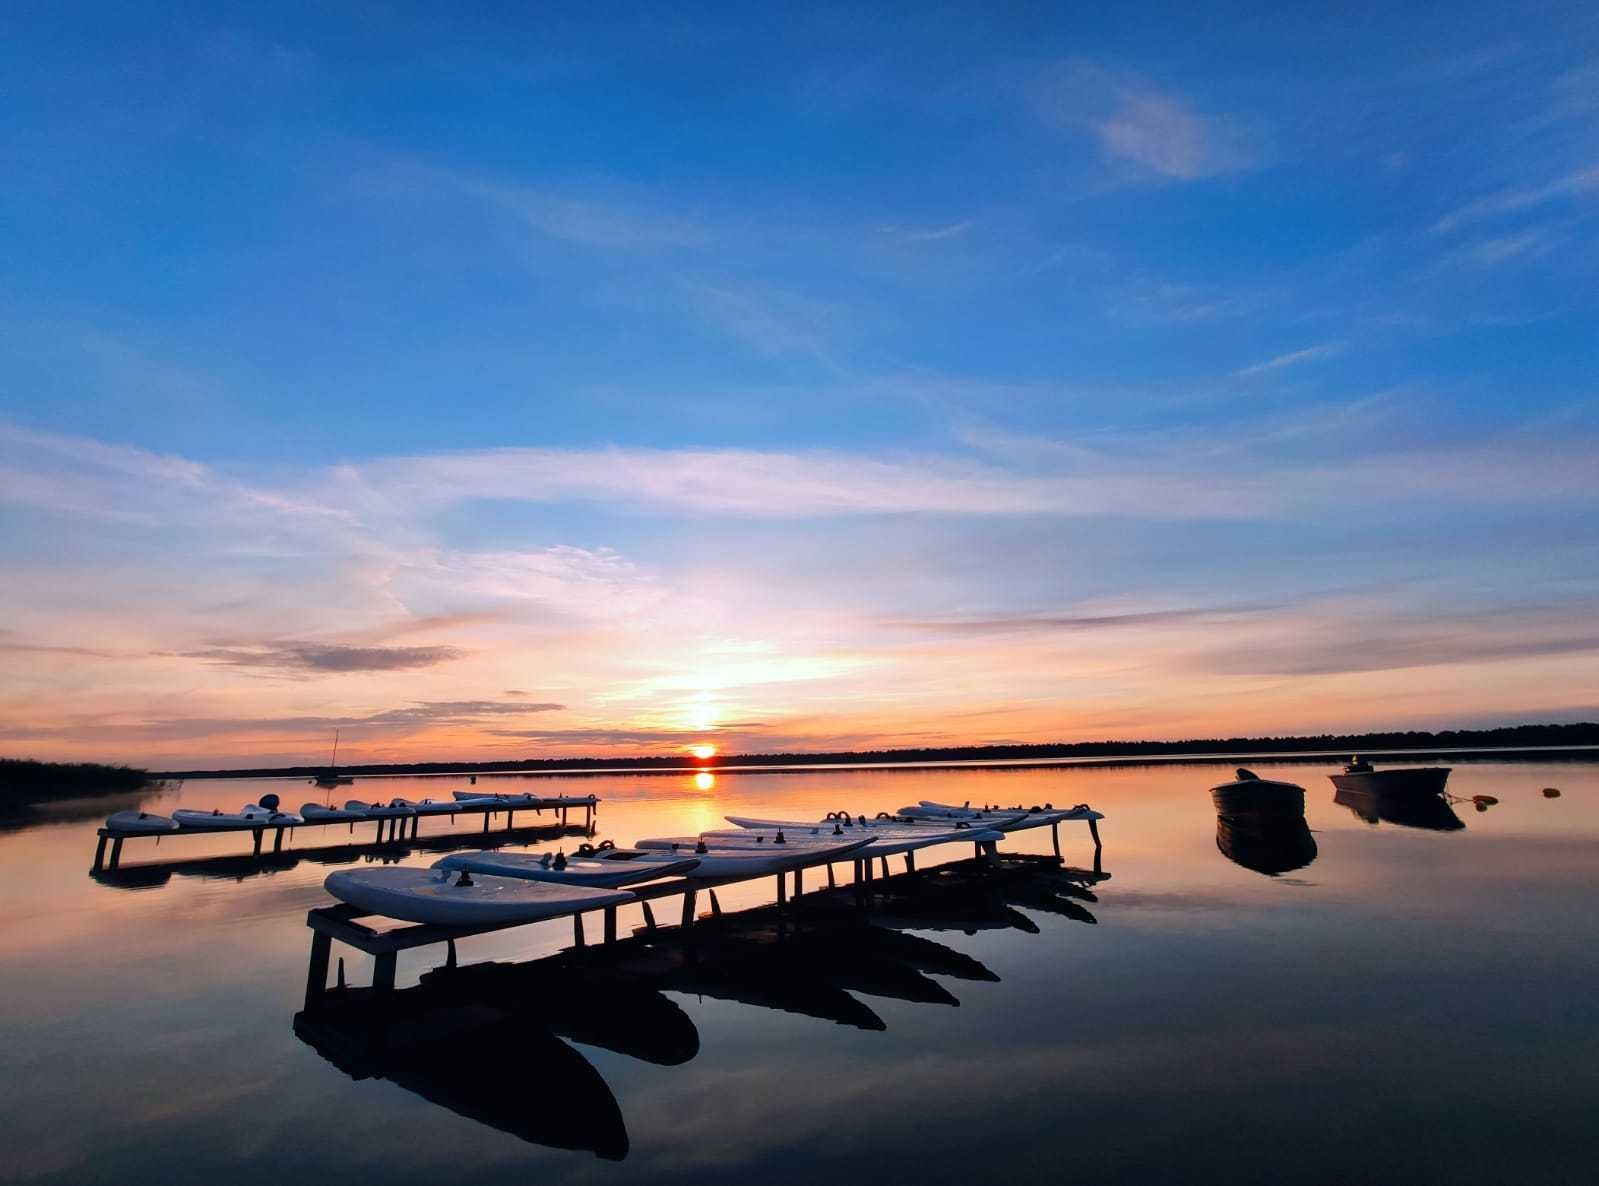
x=23 y=780
x=1507 y=740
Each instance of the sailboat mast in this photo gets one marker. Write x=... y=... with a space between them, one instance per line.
x=335 y=749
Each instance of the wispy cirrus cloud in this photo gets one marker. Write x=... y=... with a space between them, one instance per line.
x=1293 y=358
x=1516 y=200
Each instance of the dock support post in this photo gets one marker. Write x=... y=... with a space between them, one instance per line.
x=688 y=907
x=577 y=930
x=831 y=884
x=116 y=852
x=449 y=953
x=510 y=821
x=256 y=850
x=799 y=882
x=1054 y=835
x=277 y=841
x=610 y=924
x=716 y=907
x=1093 y=830
x=649 y=916
x=316 y=976
x=782 y=890
x=99 y=854
x=383 y=971
x=884 y=862
x=910 y=862
x=563 y=815
x=486 y=815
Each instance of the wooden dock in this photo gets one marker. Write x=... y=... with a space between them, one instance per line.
x=389 y=828
x=342 y=922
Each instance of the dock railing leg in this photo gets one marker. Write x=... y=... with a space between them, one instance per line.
x=486 y=815
x=910 y=862
x=716 y=907
x=884 y=862
x=256 y=850
x=1093 y=830
x=277 y=841
x=831 y=884
x=316 y=976
x=799 y=882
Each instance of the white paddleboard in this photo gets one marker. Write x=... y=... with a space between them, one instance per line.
x=140 y=822
x=438 y=896
x=613 y=866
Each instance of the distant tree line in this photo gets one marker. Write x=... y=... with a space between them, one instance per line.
x=1515 y=737
x=24 y=780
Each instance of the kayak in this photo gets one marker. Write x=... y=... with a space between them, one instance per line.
x=751 y=860
x=223 y=821
x=448 y=897
x=1007 y=819
x=428 y=806
x=270 y=816
x=500 y=802
x=606 y=867
x=379 y=810
x=316 y=813
x=887 y=839
x=141 y=822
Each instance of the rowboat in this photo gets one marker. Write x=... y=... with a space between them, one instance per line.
x=1359 y=775
x=449 y=897
x=1251 y=793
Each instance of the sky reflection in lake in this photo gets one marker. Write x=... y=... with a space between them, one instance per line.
x=1408 y=1003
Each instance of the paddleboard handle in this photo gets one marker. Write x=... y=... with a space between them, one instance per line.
x=837 y=831
x=560 y=860
x=699 y=848
x=465 y=880
x=780 y=838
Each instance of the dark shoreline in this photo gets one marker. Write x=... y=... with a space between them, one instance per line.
x=1578 y=742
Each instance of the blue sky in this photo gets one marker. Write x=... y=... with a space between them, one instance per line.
x=947 y=341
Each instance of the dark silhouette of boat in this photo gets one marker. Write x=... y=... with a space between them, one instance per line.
x=1431 y=812
x=1249 y=792
x=1265 y=842
x=1359 y=775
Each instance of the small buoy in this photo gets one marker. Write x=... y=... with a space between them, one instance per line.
x=1484 y=801
x=1551 y=792
x=1481 y=806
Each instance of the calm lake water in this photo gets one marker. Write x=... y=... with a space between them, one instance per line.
x=1413 y=1004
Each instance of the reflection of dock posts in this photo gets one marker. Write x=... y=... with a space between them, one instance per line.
x=316 y=976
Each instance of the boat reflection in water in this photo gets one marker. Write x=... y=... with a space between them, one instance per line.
x=1432 y=812
x=1260 y=824
x=807 y=960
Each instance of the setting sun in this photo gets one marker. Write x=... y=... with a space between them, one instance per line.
x=703 y=752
